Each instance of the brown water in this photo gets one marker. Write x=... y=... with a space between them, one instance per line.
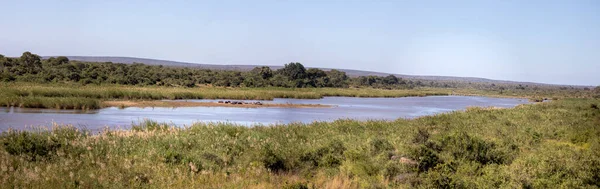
x=343 y=107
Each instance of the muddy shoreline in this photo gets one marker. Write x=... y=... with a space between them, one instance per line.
x=159 y=103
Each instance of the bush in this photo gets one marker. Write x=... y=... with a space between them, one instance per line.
x=421 y=137
x=33 y=146
x=213 y=158
x=173 y=157
x=273 y=161
x=443 y=177
x=464 y=146
x=330 y=155
x=391 y=170
x=426 y=158
x=377 y=146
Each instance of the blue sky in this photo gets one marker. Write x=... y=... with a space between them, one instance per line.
x=539 y=41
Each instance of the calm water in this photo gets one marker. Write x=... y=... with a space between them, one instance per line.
x=343 y=107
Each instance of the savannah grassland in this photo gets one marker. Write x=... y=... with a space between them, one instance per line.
x=544 y=145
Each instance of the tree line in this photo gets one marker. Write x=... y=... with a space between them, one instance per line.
x=32 y=68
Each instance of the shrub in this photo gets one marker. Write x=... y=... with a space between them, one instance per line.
x=426 y=158
x=213 y=158
x=422 y=136
x=330 y=155
x=34 y=146
x=464 y=146
x=273 y=161
x=391 y=170
x=443 y=177
x=173 y=157
x=377 y=146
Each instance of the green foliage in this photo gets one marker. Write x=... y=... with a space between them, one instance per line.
x=464 y=146
x=31 y=68
x=272 y=160
x=31 y=63
x=293 y=70
x=378 y=146
x=331 y=155
x=40 y=145
x=426 y=158
x=34 y=146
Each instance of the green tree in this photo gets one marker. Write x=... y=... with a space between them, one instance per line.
x=337 y=78
x=314 y=73
x=31 y=62
x=279 y=81
x=293 y=70
x=61 y=60
x=264 y=72
x=390 y=80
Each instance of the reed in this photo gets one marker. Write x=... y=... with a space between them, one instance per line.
x=90 y=96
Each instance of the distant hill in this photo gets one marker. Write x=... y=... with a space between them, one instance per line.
x=349 y=72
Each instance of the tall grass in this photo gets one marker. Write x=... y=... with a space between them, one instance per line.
x=90 y=96
x=545 y=145
x=73 y=96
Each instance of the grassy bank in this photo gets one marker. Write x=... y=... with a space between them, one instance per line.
x=75 y=96
x=546 y=145
x=65 y=96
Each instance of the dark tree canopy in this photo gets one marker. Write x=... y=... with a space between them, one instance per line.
x=264 y=72
x=293 y=70
x=390 y=80
x=31 y=62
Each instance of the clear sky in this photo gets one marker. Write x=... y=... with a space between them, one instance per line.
x=539 y=41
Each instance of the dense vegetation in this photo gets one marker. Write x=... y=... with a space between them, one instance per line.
x=31 y=68
x=546 y=145
x=77 y=96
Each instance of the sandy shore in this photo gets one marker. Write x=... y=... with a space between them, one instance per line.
x=158 y=103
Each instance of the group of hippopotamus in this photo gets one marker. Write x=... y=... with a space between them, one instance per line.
x=239 y=102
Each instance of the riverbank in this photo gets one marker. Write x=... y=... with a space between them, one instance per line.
x=75 y=96
x=543 y=145
x=161 y=103
x=65 y=96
